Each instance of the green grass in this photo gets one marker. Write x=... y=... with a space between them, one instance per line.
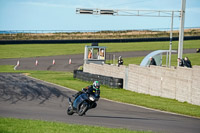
x=36 y=50
x=194 y=58
x=140 y=46
x=133 y=60
x=121 y=95
x=129 y=60
x=11 y=125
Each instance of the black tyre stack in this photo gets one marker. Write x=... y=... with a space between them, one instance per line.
x=104 y=80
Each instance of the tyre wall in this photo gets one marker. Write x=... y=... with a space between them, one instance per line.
x=104 y=80
x=106 y=70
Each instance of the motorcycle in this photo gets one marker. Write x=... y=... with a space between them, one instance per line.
x=82 y=104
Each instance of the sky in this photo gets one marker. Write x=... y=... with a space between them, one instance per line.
x=61 y=14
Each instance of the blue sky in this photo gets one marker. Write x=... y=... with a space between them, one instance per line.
x=60 y=14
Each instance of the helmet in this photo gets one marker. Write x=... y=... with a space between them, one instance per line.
x=96 y=85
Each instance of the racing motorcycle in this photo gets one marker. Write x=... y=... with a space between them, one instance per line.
x=82 y=103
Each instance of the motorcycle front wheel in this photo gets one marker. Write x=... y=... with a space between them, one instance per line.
x=82 y=109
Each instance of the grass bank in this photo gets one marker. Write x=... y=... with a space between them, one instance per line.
x=66 y=79
x=11 y=125
x=35 y=50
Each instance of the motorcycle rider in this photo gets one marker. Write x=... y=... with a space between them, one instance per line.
x=120 y=61
x=91 y=89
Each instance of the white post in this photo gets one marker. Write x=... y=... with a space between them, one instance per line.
x=181 y=30
x=167 y=59
x=85 y=55
x=170 y=46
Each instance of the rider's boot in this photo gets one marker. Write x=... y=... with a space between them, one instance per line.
x=70 y=101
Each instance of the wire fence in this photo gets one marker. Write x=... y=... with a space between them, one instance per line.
x=93 y=34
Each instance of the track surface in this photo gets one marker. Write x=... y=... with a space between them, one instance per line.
x=62 y=61
x=27 y=98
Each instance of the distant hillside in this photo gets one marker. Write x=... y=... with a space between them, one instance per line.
x=126 y=34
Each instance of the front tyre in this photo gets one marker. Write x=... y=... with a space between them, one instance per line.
x=82 y=109
x=70 y=111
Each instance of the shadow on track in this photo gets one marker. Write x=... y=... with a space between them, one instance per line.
x=17 y=87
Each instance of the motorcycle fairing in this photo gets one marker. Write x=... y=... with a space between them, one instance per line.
x=79 y=100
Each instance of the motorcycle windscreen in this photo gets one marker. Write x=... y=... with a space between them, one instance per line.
x=79 y=100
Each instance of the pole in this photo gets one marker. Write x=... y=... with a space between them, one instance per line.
x=167 y=59
x=170 y=46
x=181 y=31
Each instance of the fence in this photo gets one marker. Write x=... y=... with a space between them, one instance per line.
x=181 y=84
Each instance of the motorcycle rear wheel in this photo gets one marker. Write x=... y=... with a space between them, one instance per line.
x=82 y=109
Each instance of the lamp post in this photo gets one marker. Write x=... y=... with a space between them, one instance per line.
x=170 y=45
x=181 y=30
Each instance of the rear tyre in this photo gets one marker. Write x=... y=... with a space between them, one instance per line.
x=83 y=108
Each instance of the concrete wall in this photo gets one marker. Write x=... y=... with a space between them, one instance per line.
x=182 y=84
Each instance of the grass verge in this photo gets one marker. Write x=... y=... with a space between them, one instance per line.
x=11 y=125
x=66 y=79
x=28 y=50
x=194 y=58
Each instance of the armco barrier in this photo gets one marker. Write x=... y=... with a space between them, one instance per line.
x=104 y=80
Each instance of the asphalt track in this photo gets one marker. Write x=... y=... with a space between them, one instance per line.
x=62 y=61
x=28 y=98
